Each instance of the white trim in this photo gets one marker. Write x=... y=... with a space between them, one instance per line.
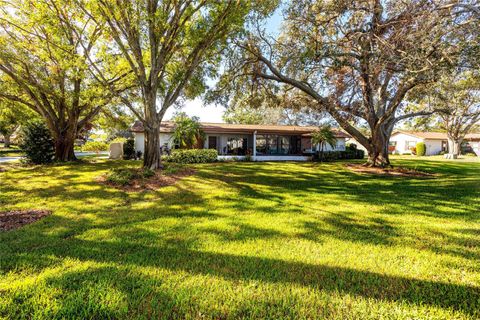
x=282 y=158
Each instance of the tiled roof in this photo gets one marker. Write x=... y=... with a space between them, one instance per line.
x=209 y=127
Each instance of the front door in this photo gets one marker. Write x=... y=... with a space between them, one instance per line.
x=212 y=142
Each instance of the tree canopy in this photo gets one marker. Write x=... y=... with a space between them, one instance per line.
x=357 y=60
x=170 y=48
x=45 y=49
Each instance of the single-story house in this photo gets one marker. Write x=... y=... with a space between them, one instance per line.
x=261 y=142
x=403 y=141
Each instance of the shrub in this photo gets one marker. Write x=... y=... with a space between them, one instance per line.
x=95 y=146
x=352 y=146
x=421 y=149
x=129 y=150
x=192 y=156
x=124 y=176
x=37 y=143
x=340 y=155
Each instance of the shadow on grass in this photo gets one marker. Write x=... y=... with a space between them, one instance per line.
x=57 y=238
x=179 y=255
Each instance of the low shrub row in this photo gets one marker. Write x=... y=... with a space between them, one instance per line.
x=340 y=155
x=192 y=156
x=123 y=176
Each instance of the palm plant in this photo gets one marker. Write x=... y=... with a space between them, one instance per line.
x=187 y=132
x=324 y=135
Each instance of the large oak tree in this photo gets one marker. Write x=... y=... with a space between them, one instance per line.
x=171 y=48
x=44 y=51
x=358 y=60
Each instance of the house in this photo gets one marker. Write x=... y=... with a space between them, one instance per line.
x=403 y=141
x=262 y=142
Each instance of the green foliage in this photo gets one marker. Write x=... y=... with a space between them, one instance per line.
x=470 y=154
x=37 y=143
x=187 y=133
x=129 y=150
x=352 y=146
x=193 y=156
x=420 y=149
x=124 y=176
x=95 y=146
x=343 y=155
x=324 y=135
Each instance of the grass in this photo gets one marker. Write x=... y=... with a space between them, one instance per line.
x=12 y=151
x=244 y=240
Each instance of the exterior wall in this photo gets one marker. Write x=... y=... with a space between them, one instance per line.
x=475 y=144
x=434 y=147
x=401 y=140
x=165 y=138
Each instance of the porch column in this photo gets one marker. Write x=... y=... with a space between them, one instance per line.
x=254 y=144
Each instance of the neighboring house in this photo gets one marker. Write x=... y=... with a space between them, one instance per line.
x=436 y=142
x=262 y=142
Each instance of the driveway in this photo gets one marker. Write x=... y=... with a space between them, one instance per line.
x=102 y=155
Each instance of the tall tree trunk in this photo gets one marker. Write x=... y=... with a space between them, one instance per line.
x=378 y=149
x=454 y=145
x=6 y=139
x=152 y=158
x=65 y=140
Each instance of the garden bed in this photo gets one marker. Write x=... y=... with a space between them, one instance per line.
x=396 y=171
x=17 y=218
x=136 y=180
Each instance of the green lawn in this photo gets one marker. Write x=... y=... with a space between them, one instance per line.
x=245 y=240
x=13 y=151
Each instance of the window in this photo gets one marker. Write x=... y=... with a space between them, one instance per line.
x=212 y=142
x=236 y=145
x=277 y=145
x=410 y=144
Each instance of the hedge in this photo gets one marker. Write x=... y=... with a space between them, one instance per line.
x=192 y=156
x=340 y=155
x=421 y=149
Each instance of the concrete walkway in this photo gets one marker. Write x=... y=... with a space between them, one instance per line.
x=102 y=155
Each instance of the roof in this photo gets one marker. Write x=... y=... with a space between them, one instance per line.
x=436 y=135
x=209 y=127
x=424 y=134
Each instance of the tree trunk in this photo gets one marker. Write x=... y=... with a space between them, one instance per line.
x=321 y=152
x=454 y=145
x=64 y=147
x=6 y=139
x=378 y=150
x=152 y=158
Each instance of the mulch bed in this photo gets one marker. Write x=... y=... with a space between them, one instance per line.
x=396 y=171
x=15 y=219
x=159 y=180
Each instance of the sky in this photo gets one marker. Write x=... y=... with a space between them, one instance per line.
x=213 y=113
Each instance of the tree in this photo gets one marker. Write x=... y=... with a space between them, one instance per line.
x=358 y=60
x=188 y=132
x=12 y=115
x=171 y=48
x=45 y=47
x=460 y=98
x=37 y=143
x=323 y=136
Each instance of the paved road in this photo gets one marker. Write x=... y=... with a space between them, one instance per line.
x=78 y=154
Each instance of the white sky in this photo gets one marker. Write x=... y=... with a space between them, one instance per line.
x=207 y=113
x=212 y=113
